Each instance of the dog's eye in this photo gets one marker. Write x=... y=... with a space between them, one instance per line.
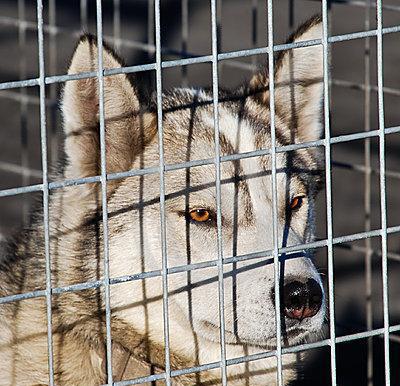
x=200 y=215
x=296 y=203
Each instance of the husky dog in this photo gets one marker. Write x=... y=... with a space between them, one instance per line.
x=77 y=241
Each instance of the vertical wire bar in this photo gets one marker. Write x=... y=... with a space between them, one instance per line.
x=117 y=23
x=381 y=118
x=218 y=15
x=218 y=25
x=328 y=175
x=278 y=321
x=254 y=28
x=150 y=27
x=84 y=15
x=162 y=191
x=367 y=193
x=291 y=14
x=103 y=180
x=23 y=106
x=43 y=146
x=185 y=37
x=217 y=163
x=329 y=33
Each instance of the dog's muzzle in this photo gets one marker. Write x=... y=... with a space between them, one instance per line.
x=300 y=297
x=301 y=300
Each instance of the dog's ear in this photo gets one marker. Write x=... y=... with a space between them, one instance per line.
x=127 y=129
x=298 y=84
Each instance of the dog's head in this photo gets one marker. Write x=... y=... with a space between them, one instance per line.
x=191 y=212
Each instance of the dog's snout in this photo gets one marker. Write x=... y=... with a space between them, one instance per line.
x=301 y=300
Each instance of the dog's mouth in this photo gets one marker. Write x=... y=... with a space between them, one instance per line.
x=290 y=336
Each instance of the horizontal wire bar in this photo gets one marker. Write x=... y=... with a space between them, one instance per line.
x=34 y=100
x=356 y=3
x=57 y=30
x=206 y=264
x=184 y=165
x=391 y=255
x=18 y=169
x=360 y=86
x=362 y=168
x=150 y=48
x=21 y=190
x=29 y=99
x=196 y=60
x=259 y=356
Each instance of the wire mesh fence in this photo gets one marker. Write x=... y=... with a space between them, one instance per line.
x=167 y=44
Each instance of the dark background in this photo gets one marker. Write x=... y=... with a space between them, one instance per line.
x=242 y=26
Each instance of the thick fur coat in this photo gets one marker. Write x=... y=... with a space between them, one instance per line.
x=134 y=230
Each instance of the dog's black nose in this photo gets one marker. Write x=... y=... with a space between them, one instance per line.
x=301 y=300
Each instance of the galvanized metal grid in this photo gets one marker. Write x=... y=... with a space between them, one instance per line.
x=271 y=256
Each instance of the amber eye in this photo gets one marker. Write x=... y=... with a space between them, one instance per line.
x=296 y=203
x=199 y=215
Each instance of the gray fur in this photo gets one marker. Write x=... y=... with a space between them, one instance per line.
x=134 y=230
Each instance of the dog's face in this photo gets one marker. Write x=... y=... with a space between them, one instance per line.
x=191 y=212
